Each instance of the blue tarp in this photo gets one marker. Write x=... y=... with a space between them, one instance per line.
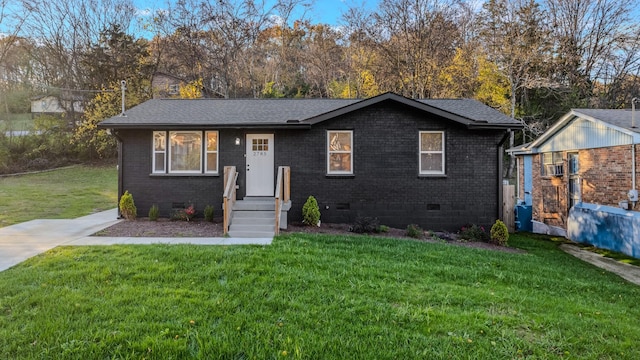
x=606 y=227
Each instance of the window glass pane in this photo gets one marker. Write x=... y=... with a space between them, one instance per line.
x=547 y=158
x=431 y=162
x=212 y=141
x=431 y=142
x=159 y=141
x=340 y=162
x=159 y=162
x=573 y=164
x=557 y=157
x=340 y=141
x=212 y=162
x=211 y=156
x=185 y=151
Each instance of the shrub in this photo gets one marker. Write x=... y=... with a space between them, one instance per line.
x=364 y=224
x=189 y=213
x=474 y=233
x=311 y=212
x=154 y=212
x=414 y=231
x=382 y=229
x=127 y=206
x=499 y=233
x=183 y=213
x=208 y=213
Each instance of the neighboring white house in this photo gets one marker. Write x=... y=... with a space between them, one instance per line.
x=55 y=105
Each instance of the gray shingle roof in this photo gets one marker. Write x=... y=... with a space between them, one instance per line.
x=291 y=112
x=471 y=109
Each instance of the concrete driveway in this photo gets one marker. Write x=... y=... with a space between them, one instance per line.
x=22 y=241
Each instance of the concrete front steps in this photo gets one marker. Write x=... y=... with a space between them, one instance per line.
x=254 y=217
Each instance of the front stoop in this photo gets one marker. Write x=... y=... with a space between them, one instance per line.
x=254 y=217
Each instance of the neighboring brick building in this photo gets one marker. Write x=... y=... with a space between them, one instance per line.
x=435 y=163
x=587 y=157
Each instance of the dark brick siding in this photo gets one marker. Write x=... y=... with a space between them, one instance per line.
x=385 y=183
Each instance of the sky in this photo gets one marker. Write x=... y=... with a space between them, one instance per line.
x=323 y=11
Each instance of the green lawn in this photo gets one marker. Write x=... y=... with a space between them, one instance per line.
x=59 y=194
x=316 y=297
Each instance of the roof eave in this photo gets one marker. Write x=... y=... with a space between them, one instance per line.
x=487 y=126
x=156 y=126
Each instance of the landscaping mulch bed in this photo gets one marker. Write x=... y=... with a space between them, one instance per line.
x=143 y=227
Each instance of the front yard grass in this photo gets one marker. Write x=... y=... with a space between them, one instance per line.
x=316 y=297
x=60 y=194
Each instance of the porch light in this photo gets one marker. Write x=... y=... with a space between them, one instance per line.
x=237 y=141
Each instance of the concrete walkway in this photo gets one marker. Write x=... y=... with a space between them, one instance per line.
x=21 y=241
x=628 y=272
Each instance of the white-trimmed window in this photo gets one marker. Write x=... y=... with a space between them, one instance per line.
x=159 y=151
x=185 y=151
x=431 y=152
x=211 y=152
x=339 y=152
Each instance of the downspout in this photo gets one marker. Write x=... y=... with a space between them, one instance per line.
x=500 y=179
x=633 y=192
x=120 y=169
x=633 y=165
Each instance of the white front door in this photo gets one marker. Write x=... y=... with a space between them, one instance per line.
x=260 y=165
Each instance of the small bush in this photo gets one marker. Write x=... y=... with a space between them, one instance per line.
x=128 y=208
x=499 y=233
x=311 y=212
x=208 y=213
x=382 y=229
x=154 y=212
x=365 y=224
x=184 y=214
x=414 y=231
x=474 y=233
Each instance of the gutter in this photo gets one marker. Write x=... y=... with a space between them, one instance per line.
x=289 y=126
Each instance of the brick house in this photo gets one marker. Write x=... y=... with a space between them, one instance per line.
x=435 y=163
x=579 y=172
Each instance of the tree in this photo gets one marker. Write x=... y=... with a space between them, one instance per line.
x=65 y=29
x=324 y=58
x=587 y=34
x=515 y=36
x=416 y=40
x=191 y=90
x=97 y=143
x=116 y=56
x=358 y=79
